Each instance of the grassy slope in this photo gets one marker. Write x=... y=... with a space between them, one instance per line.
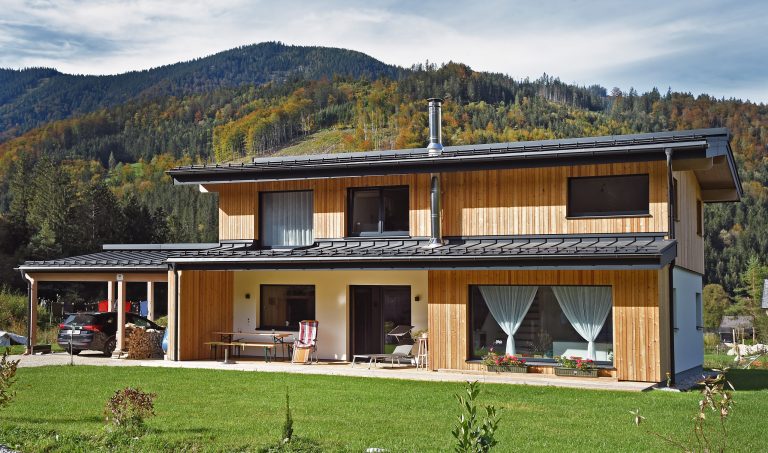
x=228 y=410
x=326 y=141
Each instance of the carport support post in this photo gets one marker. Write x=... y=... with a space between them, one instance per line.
x=151 y=300
x=110 y=296
x=32 y=327
x=120 y=336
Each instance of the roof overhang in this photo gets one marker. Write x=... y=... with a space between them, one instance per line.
x=516 y=252
x=707 y=152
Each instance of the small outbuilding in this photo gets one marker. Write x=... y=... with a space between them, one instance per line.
x=739 y=326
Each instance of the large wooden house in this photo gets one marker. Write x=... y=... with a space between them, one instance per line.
x=587 y=247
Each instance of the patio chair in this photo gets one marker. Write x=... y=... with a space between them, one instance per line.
x=306 y=343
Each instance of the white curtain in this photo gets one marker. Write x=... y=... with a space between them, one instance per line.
x=508 y=306
x=286 y=218
x=586 y=307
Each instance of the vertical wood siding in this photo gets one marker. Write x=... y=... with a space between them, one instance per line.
x=239 y=210
x=534 y=201
x=641 y=324
x=690 y=246
x=205 y=306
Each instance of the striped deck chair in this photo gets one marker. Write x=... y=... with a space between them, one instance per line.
x=307 y=340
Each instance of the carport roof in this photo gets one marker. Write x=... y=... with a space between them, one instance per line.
x=529 y=252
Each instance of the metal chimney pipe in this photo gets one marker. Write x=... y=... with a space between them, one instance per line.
x=435 y=146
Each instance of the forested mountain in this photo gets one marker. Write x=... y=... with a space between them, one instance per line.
x=61 y=184
x=31 y=97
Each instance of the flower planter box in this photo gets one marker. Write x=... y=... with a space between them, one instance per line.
x=507 y=369
x=560 y=371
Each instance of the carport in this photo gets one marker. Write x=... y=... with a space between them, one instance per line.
x=115 y=266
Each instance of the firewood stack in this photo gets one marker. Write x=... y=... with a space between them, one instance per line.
x=143 y=343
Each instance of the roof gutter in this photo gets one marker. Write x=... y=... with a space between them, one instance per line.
x=426 y=164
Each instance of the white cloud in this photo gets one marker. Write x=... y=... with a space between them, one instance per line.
x=583 y=42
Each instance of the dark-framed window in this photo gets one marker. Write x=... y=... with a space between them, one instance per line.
x=676 y=198
x=284 y=306
x=608 y=196
x=544 y=333
x=286 y=218
x=378 y=211
x=699 y=218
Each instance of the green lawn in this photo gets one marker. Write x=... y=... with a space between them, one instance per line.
x=208 y=410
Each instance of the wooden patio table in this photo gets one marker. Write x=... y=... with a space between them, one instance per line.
x=278 y=338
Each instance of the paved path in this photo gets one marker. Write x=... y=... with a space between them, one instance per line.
x=343 y=369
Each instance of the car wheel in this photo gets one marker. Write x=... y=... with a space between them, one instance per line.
x=109 y=346
x=73 y=351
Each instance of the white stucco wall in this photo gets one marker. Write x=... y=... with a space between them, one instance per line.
x=689 y=341
x=331 y=300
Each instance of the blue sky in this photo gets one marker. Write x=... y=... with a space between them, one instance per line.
x=703 y=46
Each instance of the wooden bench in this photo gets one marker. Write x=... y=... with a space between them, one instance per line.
x=239 y=344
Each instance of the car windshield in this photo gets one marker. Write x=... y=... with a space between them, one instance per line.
x=79 y=319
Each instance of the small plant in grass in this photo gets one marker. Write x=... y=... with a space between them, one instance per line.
x=474 y=433
x=7 y=379
x=716 y=404
x=288 y=425
x=128 y=408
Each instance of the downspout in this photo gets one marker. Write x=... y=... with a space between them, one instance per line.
x=435 y=149
x=175 y=312
x=671 y=206
x=29 y=313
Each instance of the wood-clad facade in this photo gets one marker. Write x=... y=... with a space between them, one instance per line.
x=202 y=304
x=532 y=201
x=239 y=204
x=640 y=315
x=689 y=223
x=508 y=202
x=526 y=201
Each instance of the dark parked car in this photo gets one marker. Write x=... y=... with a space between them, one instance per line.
x=96 y=330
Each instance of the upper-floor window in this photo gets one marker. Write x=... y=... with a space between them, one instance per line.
x=607 y=196
x=378 y=211
x=286 y=218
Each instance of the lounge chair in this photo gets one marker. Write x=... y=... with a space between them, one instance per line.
x=401 y=352
x=401 y=333
x=306 y=344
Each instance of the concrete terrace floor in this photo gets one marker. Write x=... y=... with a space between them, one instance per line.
x=341 y=369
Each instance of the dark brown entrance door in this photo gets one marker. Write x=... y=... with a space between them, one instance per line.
x=374 y=311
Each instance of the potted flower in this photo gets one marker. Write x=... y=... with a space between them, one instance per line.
x=575 y=366
x=504 y=363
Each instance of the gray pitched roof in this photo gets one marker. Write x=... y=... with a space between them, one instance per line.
x=735 y=322
x=635 y=147
x=571 y=252
x=488 y=252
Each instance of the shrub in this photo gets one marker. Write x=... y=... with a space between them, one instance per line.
x=505 y=361
x=7 y=378
x=716 y=404
x=711 y=341
x=129 y=407
x=473 y=434
x=162 y=321
x=576 y=363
